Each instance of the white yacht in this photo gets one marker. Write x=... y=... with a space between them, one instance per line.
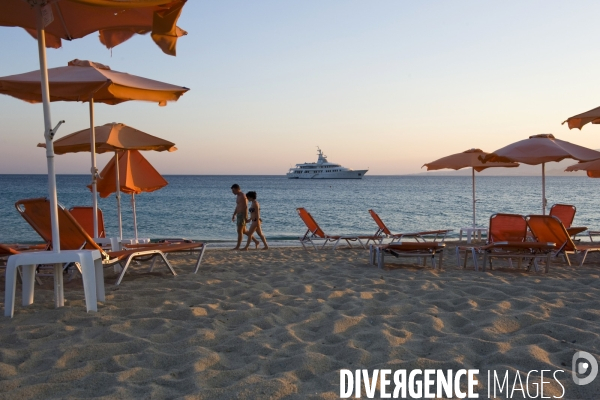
x=323 y=169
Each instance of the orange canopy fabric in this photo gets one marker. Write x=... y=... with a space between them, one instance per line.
x=111 y=137
x=579 y=120
x=136 y=175
x=592 y=168
x=115 y=20
x=540 y=149
x=83 y=80
x=468 y=158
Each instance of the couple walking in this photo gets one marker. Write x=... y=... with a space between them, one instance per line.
x=240 y=216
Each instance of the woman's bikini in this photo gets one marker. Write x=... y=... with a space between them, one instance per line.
x=251 y=210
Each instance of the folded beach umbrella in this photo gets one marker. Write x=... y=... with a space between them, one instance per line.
x=116 y=20
x=468 y=158
x=112 y=137
x=87 y=81
x=540 y=149
x=133 y=174
x=591 y=167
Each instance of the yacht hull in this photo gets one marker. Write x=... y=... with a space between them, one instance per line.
x=355 y=174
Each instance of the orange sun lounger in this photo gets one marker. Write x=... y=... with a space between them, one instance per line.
x=507 y=238
x=566 y=214
x=84 y=215
x=73 y=237
x=12 y=249
x=314 y=232
x=550 y=229
x=7 y=250
x=383 y=231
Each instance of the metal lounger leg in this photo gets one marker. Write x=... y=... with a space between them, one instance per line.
x=123 y=271
x=200 y=258
x=152 y=264
x=302 y=243
x=334 y=245
x=585 y=253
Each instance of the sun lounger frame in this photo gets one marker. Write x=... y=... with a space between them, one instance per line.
x=516 y=248
x=384 y=232
x=122 y=257
x=565 y=245
x=377 y=252
x=314 y=233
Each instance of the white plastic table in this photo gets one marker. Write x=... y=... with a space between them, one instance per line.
x=472 y=231
x=91 y=271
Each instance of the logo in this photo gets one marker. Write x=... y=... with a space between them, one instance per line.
x=581 y=367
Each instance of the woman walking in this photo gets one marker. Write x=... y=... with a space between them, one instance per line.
x=255 y=221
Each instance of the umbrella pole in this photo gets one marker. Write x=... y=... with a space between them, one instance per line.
x=543 y=188
x=134 y=216
x=94 y=169
x=48 y=131
x=473 y=178
x=118 y=191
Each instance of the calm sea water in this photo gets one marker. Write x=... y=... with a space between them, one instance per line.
x=200 y=207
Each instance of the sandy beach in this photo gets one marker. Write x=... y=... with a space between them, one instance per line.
x=282 y=323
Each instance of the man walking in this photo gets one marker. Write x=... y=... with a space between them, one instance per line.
x=240 y=215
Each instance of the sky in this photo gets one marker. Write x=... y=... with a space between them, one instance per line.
x=384 y=85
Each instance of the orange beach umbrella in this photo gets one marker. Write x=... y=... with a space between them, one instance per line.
x=469 y=158
x=111 y=137
x=89 y=81
x=83 y=80
x=540 y=149
x=116 y=20
x=592 y=168
x=132 y=174
x=579 y=120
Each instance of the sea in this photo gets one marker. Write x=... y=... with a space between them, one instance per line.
x=200 y=207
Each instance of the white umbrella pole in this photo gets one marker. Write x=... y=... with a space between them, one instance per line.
x=48 y=131
x=94 y=169
x=134 y=216
x=473 y=175
x=118 y=191
x=543 y=188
